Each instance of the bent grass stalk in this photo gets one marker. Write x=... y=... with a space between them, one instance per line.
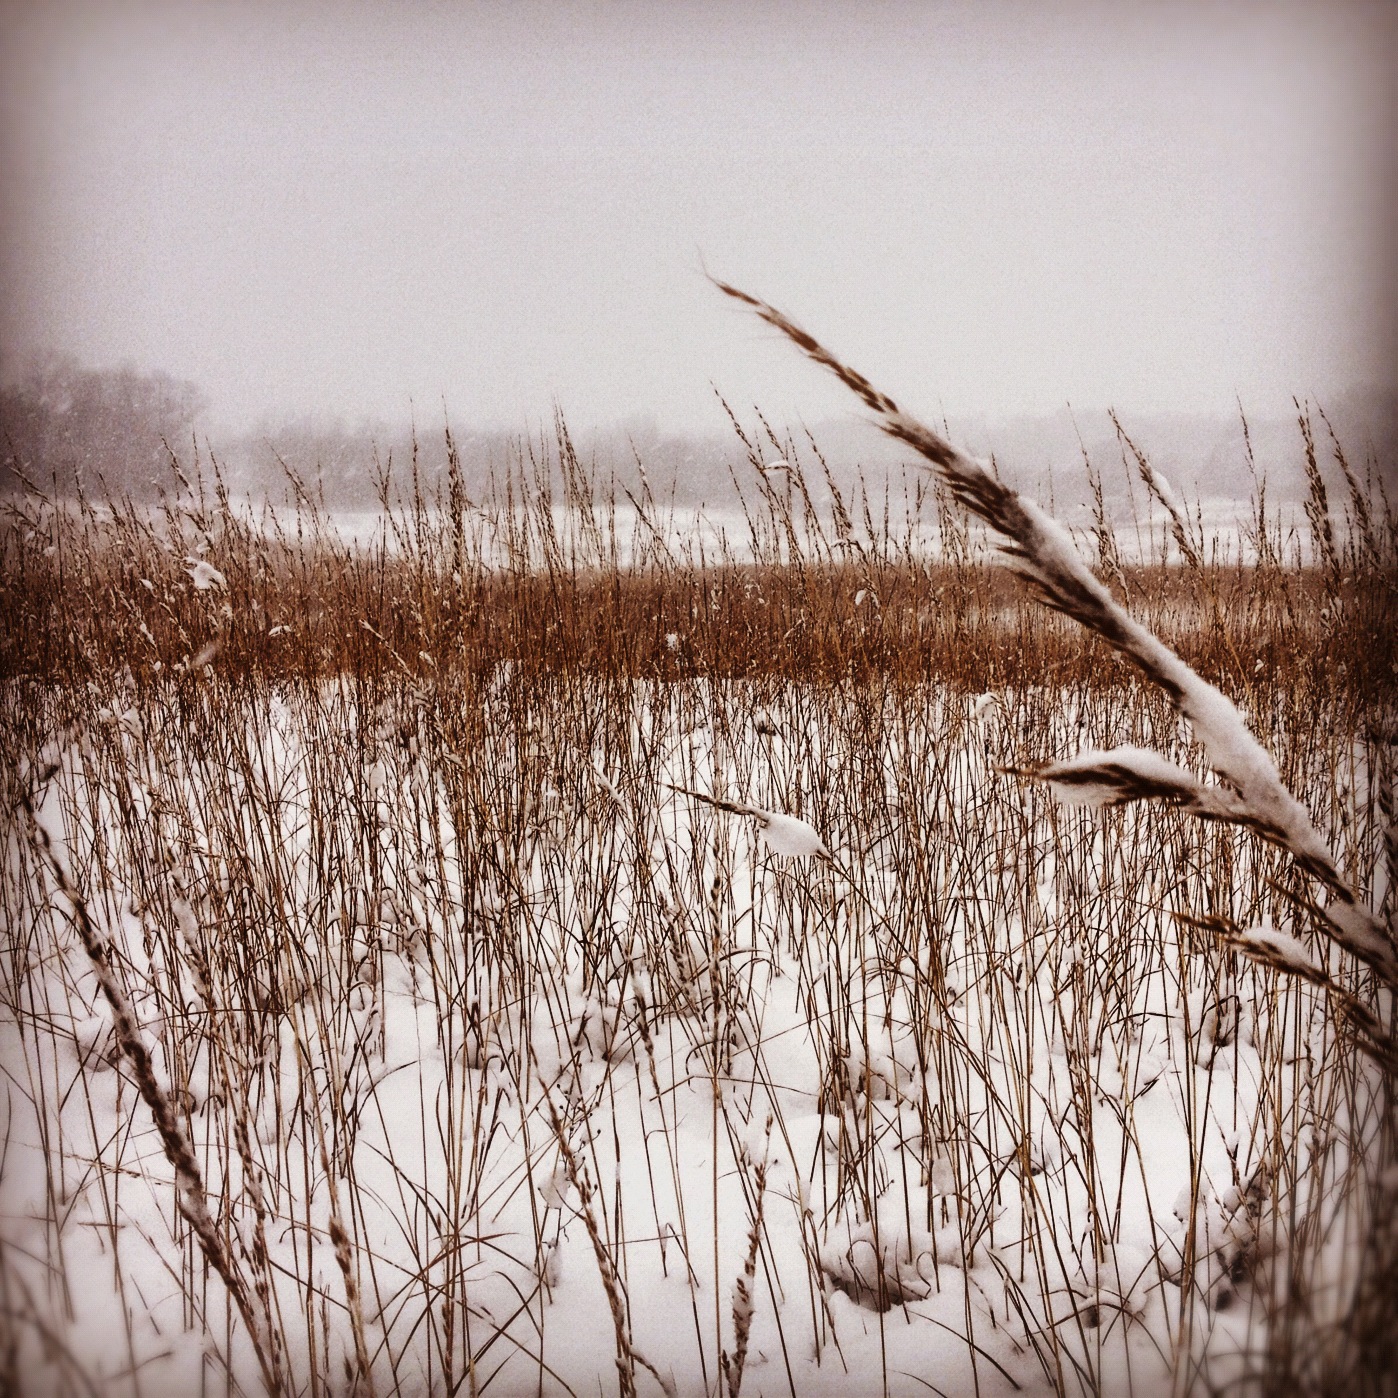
x=190 y=1196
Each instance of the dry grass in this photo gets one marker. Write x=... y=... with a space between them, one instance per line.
x=453 y=997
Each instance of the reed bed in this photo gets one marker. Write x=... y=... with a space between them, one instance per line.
x=390 y=1004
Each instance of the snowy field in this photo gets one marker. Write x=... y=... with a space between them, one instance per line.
x=510 y=1068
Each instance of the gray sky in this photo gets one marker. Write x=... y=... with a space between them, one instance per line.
x=334 y=207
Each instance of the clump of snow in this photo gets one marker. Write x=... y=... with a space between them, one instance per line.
x=1279 y=947
x=883 y=1267
x=204 y=575
x=1103 y=777
x=787 y=835
x=1168 y=497
x=782 y=834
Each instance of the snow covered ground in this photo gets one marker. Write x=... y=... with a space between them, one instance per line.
x=600 y=1092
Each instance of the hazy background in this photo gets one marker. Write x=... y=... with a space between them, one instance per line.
x=329 y=216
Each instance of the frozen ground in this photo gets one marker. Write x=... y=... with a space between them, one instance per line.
x=602 y=1093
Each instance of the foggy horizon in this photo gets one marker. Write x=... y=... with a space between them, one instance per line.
x=332 y=213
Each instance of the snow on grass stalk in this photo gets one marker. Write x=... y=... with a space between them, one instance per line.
x=1042 y=552
x=734 y=1364
x=190 y=1196
x=627 y=1355
x=785 y=835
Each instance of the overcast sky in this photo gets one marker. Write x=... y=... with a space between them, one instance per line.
x=989 y=208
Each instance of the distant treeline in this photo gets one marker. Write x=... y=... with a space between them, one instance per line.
x=349 y=467
x=65 y=427
x=108 y=431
